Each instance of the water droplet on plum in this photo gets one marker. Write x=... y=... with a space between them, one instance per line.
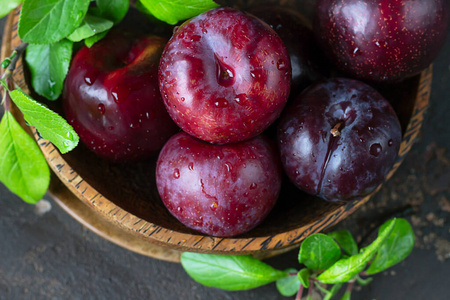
x=115 y=96
x=229 y=166
x=135 y=125
x=221 y=103
x=101 y=108
x=195 y=38
x=281 y=65
x=356 y=52
x=375 y=149
x=176 y=173
x=255 y=74
x=214 y=206
x=89 y=81
x=240 y=99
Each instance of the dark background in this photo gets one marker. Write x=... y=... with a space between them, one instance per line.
x=51 y=256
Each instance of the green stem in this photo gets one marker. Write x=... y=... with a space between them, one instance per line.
x=6 y=99
x=10 y=64
x=11 y=61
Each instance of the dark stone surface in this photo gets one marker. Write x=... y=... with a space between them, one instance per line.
x=51 y=256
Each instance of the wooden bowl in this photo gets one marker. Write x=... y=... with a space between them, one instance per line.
x=121 y=203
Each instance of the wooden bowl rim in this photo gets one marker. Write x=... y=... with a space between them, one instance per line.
x=197 y=242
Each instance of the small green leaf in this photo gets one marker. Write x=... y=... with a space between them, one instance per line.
x=319 y=252
x=48 y=65
x=23 y=168
x=362 y=281
x=288 y=286
x=113 y=10
x=329 y=293
x=303 y=275
x=50 y=125
x=346 y=269
x=173 y=11
x=49 y=21
x=91 y=26
x=333 y=291
x=7 y=6
x=346 y=296
x=229 y=272
x=345 y=239
x=94 y=39
x=7 y=61
x=396 y=248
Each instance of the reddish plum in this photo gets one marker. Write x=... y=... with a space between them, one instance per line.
x=224 y=76
x=111 y=97
x=339 y=139
x=382 y=40
x=219 y=190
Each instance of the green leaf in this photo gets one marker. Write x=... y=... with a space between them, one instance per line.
x=50 y=125
x=345 y=239
x=288 y=286
x=7 y=6
x=346 y=269
x=48 y=65
x=362 y=281
x=303 y=276
x=173 y=11
x=49 y=21
x=229 y=272
x=23 y=168
x=91 y=26
x=319 y=252
x=113 y=10
x=94 y=39
x=397 y=247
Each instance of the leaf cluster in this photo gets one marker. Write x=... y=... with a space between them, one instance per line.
x=332 y=258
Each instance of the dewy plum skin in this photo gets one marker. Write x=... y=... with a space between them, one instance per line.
x=219 y=190
x=382 y=40
x=224 y=76
x=339 y=139
x=111 y=97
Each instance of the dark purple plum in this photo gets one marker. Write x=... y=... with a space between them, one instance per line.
x=382 y=40
x=224 y=76
x=307 y=62
x=111 y=97
x=339 y=139
x=219 y=190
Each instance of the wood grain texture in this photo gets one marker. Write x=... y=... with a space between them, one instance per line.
x=125 y=196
